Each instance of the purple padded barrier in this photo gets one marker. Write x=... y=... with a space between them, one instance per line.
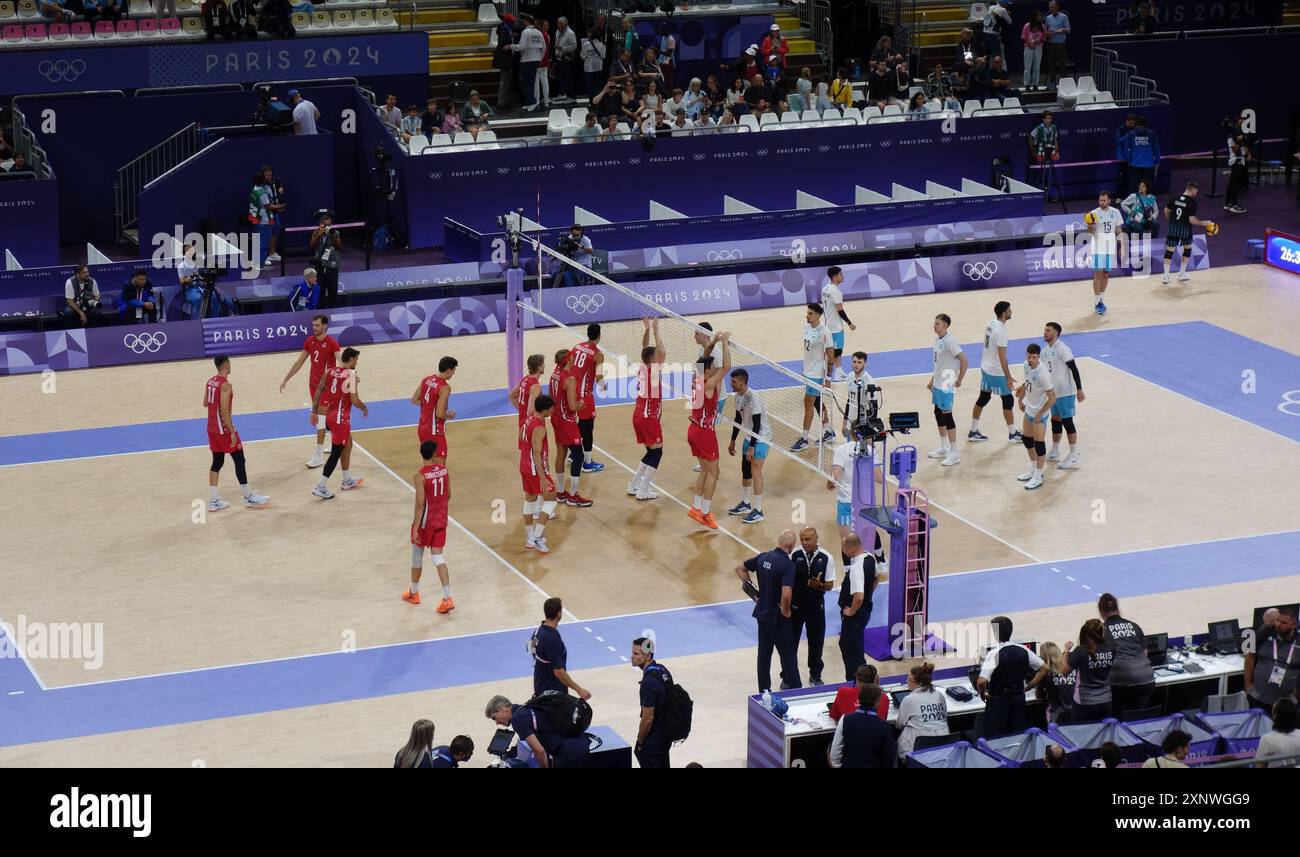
x=1241 y=730
x=29 y=222
x=958 y=755
x=766 y=737
x=1087 y=738
x=1204 y=742
x=1027 y=749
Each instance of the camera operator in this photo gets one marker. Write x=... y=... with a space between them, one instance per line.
x=81 y=297
x=326 y=247
x=1043 y=143
x=548 y=747
x=138 y=302
x=577 y=247
x=1238 y=169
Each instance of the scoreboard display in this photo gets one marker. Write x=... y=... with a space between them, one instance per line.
x=1282 y=250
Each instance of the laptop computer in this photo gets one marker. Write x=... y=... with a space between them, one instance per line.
x=1157 y=646
x=898 y=696
x=1225 y=637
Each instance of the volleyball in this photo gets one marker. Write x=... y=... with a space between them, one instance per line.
x=1211 y=228
x=1090 y=218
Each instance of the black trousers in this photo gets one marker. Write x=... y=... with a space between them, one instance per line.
x=814 y=619
x=1128 y=698
x=1122 y=180
x=1238 y=180
x=851 y=650
x=778 y=635
x=1004 y=715
x=329 y=286
x=654 y=752
x=1091 y=713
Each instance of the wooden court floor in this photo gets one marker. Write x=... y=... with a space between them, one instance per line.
x=303 y=577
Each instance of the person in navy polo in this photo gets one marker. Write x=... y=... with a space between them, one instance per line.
x=775 y=571
x=863 y=739
x=450 y=756
x=549 y=748
x=550 y=657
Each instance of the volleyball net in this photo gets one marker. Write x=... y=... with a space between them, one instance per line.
x=542 y=319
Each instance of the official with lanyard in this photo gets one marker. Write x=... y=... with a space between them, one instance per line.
x=652 y=745
x=1272 y=669
x=814 y=576
x=772 y=610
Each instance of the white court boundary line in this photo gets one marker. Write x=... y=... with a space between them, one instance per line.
x=22 y=656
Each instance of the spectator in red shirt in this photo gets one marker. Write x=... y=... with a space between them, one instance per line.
x=846 y=699
x=774 y=45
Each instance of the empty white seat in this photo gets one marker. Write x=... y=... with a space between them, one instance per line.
x=384 y=18
x=1086 y=84
x=1086 y=98
x=933 y=105
x=365 y=18
x=556 y=122
x=971 y=106
x=1104 y=96
x=487 y=136
x=321 y=20
x=28 y=9
x=301 y=20
x=831 y=113
x=767 y=119
x=892 y=110
x=578 y=115
x=623 y=128
x=1011 y=102
x=487 y=13
x=992 y=104
x=812 y=115
x=750 y=121
x=343 y=18
x=791 y=116
x=871 y=112
x=853 y=113
x=463 y=138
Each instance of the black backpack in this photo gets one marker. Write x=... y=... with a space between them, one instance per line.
x=565 y=715
x=674 y=721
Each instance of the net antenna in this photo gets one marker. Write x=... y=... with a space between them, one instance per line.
x=780 y=388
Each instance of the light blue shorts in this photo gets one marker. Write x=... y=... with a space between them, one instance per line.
x=1043 y=419
x=814 y=387
x=1064 y=408
x=942 y=399
x=838 y=339
x=996 y=384
x=1102 y=261
x=844 y=514
x=760 y=448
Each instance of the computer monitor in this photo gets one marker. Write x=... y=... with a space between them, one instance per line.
x=1157 y=646
x=1258 y=618
x=1031 y=645
x=1225 y=636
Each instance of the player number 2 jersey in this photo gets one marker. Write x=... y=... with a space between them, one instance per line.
x=947 y=362
x=437 y=491
x=815 y=342
x=320 y=354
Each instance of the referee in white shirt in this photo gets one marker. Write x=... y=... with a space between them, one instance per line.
x=855 y=604
x=1002 y=684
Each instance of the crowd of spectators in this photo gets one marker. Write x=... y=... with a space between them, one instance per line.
x=227 y=19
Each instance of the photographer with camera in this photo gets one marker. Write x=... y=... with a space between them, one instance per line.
x=577 y=247
x=326 y=247
x=81 y=297
x=1044 y=143
x=549 y=748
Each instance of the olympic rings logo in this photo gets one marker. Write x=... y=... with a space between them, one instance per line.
x=732 y=255
x=60 y=70
x=140 y=343
x=584 y=303
x=980 y=270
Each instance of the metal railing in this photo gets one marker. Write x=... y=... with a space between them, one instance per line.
x=134 y=175
x=822 y=29
x=1121 y=80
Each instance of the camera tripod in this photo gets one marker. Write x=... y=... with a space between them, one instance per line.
x=1050 y=181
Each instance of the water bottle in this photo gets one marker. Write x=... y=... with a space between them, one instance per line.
x=767 y=699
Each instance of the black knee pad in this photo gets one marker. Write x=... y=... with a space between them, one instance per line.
x=1008 y=403
x=218 y=459
x=983 y=399
x=1027 y=441
x=1056 y=426
x=1069 y=425
x=240 y=473
x=1187 y=251
x=1169 y=253
x=746 y=469
x=653 y=457
x=949 y=421
x=938 y=417
x=1040 y=448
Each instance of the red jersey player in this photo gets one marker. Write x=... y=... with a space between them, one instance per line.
x=703 y=434
x=320 y=348
x=564 y=423
x=529 y=387
x=647 y=411
x=433 y=395
x=219 y=399
x=584 y=361
x=338 y=393
x=539 y=487
x=429 y=528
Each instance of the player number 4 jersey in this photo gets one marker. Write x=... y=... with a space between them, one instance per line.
x=429 y=422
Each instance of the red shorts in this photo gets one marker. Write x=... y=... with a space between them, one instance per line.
x=429 y=537
x=340 y=433
x=566 y=433
x=648 y=430
x=538 y=484
x=222 y=442
x=703 y=441
x=441 y=440
x=588 y=410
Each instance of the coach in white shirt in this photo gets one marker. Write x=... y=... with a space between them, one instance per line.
x=305 y=114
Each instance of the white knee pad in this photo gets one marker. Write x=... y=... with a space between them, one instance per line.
x=548 y=508
x=437 y=560
x=417 y=556
x=531 y=507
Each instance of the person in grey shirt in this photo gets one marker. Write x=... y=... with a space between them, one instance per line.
x=1132 y=680
x=923 y=712
x=1093 y=660
x=566 y=48
x=1273 y=666
x=531 y=47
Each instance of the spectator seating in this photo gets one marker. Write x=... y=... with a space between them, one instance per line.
x=7 y=10
x=28 y=9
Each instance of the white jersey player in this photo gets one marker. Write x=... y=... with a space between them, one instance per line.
x=832 y=301
x=1104 y=225
x=949 y=371
x=751 y=417
x=818 y=360
x=1037 y=395
x=1069 y=389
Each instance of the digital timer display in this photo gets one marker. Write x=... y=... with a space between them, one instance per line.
x=1282 y=251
